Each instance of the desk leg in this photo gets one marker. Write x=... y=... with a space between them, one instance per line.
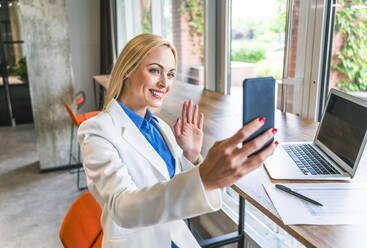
x=241 y=222
x=225 y=239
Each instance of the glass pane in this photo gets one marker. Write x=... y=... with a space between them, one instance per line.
x=348 y=70
x=167 y=20
x=187 y=18
x=291 y=86
x=15 y=104
x=146 y=16
x=13 y=44
x=121 y=25
x=257 y=46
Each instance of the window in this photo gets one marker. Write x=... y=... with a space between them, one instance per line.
x=257 y=46
x=179 y=21
x=299 y=39
x=183 y=23
x=345 y=53
x=302 y=79
x=14 y=76
x=121 y=25
x=275 y=43
x=145 y=14
x=294 y=63
x=13 y=44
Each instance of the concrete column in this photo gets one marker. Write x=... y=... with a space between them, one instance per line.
x=47 y=48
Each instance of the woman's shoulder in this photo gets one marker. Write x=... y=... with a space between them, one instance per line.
x=100 y=122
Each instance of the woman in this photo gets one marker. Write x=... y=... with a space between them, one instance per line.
x=145 y=178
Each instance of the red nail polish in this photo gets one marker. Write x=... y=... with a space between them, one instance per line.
x=276 y=143
x=262 y=119
x=274 y=130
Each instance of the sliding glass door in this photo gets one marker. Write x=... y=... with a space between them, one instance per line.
x=278 y=38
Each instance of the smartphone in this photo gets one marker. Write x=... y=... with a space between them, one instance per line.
x=258 y=101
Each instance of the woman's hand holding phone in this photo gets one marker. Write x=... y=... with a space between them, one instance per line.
x=226 y=162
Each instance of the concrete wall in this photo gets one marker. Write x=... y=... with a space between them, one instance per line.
x=84 y=30
x=47 y=47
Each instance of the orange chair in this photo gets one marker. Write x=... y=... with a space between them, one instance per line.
x=77 y=120
x=81 y=227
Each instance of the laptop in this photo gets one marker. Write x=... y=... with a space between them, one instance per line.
x=337 y=147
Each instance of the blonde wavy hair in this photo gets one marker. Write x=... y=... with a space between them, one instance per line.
x=129 y=59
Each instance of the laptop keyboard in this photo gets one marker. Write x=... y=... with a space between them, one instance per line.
x=308 y=160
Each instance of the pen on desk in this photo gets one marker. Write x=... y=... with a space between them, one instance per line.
x=290 y=191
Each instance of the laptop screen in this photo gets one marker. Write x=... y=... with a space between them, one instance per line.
x=343 y=128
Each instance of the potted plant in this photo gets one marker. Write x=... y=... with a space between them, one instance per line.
x=20 y=69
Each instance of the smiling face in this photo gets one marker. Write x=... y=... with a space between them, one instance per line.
x=148 y=85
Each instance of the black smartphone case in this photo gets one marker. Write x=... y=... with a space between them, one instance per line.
x=258 y=101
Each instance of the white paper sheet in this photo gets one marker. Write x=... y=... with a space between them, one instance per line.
x=343 y=203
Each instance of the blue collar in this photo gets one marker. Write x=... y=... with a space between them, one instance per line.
x=137 y=119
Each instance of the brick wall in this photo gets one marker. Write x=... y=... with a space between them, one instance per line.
x=294 y=38
x=335 y=75
x=184 y=44
x=292 y=59
x=182 y=38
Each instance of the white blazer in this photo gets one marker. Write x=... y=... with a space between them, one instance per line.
x=141 y=206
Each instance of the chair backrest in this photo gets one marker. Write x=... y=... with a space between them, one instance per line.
x=72 y=114
x=81 y=227
x=80 y=99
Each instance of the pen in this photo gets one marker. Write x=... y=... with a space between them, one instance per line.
x=290 y=191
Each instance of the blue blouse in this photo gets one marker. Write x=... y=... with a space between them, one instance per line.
x=148 y=127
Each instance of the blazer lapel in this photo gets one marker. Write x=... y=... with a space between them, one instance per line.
x=171 y=146
x=135 y=138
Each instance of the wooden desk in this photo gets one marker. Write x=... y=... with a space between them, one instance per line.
x=223 y=117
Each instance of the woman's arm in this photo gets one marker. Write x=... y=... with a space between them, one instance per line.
x=225 y=162
x=188 y=194
x=182 y=197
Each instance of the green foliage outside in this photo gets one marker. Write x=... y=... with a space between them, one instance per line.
x=147 y=18
x=248 y=54
x=352 y=22
x=265 y=68
x=277 y=25
x=268 y=35
x=194 y=9
x=20 y=69
x=262 y=41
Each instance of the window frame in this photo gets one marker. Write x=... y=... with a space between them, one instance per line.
x=309 y=81
x=328 y=45
x=216 y=37
x=217 y=44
